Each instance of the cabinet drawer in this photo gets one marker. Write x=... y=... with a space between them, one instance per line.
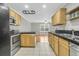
x=63 y=51
x=63 y=41
x=27 y=40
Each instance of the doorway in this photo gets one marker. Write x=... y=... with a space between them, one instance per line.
x=44 y=29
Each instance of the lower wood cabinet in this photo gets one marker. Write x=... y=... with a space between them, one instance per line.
x=37 y=38
x=59 y=45
x=56 y=45
x=50 y=39
x=63 y=51
x=27 y=40
x=53 y=41
x=64 y=47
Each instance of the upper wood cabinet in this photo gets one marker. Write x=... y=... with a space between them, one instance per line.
x=59 y=18
x=12 y=13
x=74 y=13
x=16 y=17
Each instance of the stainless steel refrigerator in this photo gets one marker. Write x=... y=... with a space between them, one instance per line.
x=4 y=31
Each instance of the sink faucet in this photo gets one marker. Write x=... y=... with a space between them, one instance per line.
x=73 y=34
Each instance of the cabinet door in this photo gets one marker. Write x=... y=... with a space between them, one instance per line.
x=12 y=13
x=63 y=50
x=52 y=41
x=63 y=41
x=53 y=21
x=23 y=40
x=50 y=38
x=63 y=47
x=27 y=40
x=59 y=17
x=18 y=19
x=56 y=45
x=63 y=16
x=30 y=40
x=38 y=38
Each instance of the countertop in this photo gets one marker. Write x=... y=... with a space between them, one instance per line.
x=22 y=33
x=15 y=35
x=27 y=33
x=66 y=38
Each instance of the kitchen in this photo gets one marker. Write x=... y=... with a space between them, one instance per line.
x=39 y=29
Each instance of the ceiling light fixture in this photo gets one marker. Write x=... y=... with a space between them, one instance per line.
x=26 y=6
x=44 y=6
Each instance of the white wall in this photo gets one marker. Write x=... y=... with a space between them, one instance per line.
x=35 y=27
x=25 y=26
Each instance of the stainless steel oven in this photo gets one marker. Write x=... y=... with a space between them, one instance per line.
x=15 y=44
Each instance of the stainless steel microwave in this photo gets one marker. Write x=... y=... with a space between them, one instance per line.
x=12 y=20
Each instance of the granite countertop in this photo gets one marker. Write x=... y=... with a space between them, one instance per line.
x=28 y=33
x=66 y=38
x=15 y=35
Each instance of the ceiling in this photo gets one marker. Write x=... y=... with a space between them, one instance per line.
x=42 y=14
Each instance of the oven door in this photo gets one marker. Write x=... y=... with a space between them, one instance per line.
x=15 y=41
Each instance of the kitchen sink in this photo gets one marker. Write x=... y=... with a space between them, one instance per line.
x=76 y=39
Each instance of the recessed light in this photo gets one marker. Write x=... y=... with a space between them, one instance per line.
x=26 y=6
x=44 y=6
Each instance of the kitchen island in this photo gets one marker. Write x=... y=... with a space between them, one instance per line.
x=28 y=39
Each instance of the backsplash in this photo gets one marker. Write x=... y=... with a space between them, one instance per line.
x=63 y=31
x=76 y=33
x=60 y=27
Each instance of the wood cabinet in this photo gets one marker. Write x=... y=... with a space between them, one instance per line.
x=56 y=45
x=64 y=47
x=59 y=17
x=16 y=17
x=59 y=45
x=53 y=41
x=37 y=38
x=12 y=13
x=50 y=39
x=63 y=51
x=27 y=40
x=74 y=13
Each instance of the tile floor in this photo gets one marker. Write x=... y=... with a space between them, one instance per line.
x=41 y=49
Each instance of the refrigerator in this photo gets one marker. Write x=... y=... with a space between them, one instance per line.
x=4 y=31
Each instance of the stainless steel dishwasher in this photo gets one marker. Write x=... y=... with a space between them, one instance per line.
x=74 y=49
